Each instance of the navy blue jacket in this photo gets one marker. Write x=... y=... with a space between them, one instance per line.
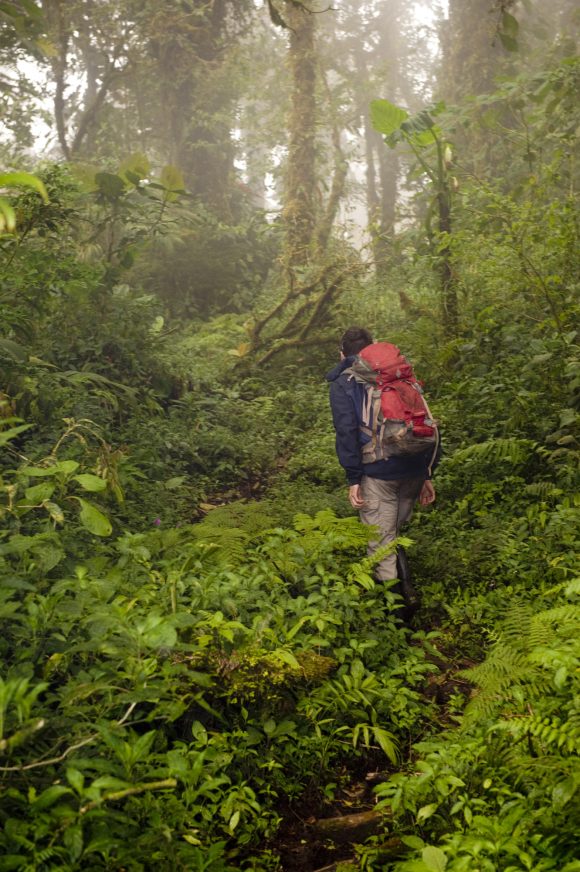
x=346 y=402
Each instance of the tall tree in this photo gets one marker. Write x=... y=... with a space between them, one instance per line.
x=300 y=194
x=192 y=47
x=471 y=53
x=89 y=54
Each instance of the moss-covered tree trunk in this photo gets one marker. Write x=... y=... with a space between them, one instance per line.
x=448 y=287
x=300 y=192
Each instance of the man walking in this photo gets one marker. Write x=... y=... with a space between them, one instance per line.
x=384 y=490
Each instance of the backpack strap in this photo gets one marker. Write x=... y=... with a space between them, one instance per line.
x=378 y=431
x=435 y=427
x=368 y=407
x=435 y=449
x=370 y=414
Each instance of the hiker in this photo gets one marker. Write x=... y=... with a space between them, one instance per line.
x=388 y=467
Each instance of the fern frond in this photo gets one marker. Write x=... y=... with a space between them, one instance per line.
x=515 y=626
x=230 y=529
x=531 y=649
x=504 y=666
x=499 y=678
x=224 y=546
x=504 y=450
x=566 y=617
x=251 y=517
x=349 y=532
x=550 y=732
x=543 y=490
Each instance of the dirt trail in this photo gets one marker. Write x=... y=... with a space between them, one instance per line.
x=317 y=837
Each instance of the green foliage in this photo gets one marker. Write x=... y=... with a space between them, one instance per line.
x=155 y=684
x=17 y=180
x=205 y=267
x=505 y=788
x=191 y=638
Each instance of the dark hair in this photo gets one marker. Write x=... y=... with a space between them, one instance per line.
x=354 y=340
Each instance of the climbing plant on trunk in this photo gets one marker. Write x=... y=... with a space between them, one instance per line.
x=420 y=133
x=299 y=206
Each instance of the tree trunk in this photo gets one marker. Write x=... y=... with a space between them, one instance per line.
x=299 y=207
x=448 y=289
x=382 y=200
x=196 y=98
x=471 y=54
x=339 y=175
x=388 y=174
x=60 y=36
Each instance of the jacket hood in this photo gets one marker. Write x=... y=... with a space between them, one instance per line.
x=339 y=369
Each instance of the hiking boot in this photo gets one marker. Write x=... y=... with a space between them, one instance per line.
x=405 y=587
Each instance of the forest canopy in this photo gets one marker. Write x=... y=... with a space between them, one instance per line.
x=200 y=670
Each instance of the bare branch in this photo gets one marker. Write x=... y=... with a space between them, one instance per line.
x=166 y=784
x=54 y=760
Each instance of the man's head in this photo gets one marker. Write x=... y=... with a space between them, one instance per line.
x=354 y=340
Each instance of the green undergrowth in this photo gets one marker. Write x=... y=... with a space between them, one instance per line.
x=166 y=692
x=193 y=646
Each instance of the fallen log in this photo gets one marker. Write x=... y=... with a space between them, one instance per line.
x=349 y=827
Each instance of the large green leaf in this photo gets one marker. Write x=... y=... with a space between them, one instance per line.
x=158 y=631
x=67 y=466
x=419 y=122
x=508 y=42
x=510 y=25
x=563 y=792
x=135 y=167
x=39 y=471
x=420 y=129
x=7 y=216
x=17 y=180
x=110 y=186
x=14 y=350
x=13 y=432
x=93 y=519
x=420 y=139
x=386 y=118
x=62 y=467
x=23 y=180
x=50 y=796
x=92 y=483
x=172 y=180
x=434 y=858
x=39 y=492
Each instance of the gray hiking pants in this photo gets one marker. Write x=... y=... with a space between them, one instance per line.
x=388 y=505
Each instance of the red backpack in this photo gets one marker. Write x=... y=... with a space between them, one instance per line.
x=395 y=414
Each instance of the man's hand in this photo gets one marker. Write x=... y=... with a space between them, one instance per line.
x=427 y=495
x=355 y=496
